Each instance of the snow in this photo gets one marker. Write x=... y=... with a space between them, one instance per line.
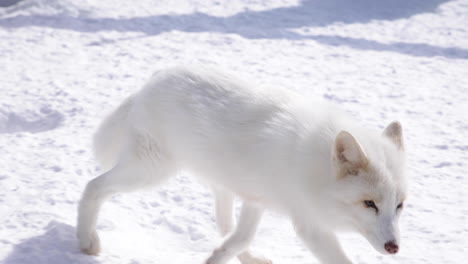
x=65 y=63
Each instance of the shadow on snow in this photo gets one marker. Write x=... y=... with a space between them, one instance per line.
x=269 y=24
x=57 y=245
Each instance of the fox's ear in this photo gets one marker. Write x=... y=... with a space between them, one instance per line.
x=349 y=154
x=395 y=133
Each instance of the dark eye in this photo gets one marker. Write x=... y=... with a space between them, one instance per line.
x=400 y=206
x=371 y=204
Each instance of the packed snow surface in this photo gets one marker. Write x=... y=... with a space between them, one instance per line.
x=64 y=64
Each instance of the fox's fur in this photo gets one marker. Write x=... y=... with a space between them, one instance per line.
x=270 y=147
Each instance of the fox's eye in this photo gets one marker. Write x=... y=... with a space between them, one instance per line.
x=370 y=204
x=400 y=206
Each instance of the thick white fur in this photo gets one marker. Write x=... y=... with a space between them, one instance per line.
x=270 y=147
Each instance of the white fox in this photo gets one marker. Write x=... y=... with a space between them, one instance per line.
x=272 y=148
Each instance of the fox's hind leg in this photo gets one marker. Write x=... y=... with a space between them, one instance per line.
x=225 y=220
x=137 y=169
x=224 y=202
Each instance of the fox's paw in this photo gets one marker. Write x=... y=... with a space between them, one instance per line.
x=211 y=260
x=219 y=256
x=248 y=258
x=257 y=261
x=90 y=244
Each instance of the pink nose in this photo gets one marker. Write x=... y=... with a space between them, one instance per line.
x=391 y=247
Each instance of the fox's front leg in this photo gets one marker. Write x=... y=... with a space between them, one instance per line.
x=323 y=244
x=238 y=241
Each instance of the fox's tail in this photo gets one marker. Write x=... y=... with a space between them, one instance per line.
x=110 y=138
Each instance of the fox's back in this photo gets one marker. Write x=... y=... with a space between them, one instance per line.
x=208 y=109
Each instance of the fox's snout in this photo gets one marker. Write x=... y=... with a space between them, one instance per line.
x=391 y=247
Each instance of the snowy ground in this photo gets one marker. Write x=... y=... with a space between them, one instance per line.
x=65 y=63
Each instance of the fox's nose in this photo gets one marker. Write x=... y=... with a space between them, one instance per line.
x=391 y=247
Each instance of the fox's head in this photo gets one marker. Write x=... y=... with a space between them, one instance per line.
x=371 y=185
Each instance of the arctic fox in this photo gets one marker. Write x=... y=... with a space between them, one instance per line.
x=272 y=148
